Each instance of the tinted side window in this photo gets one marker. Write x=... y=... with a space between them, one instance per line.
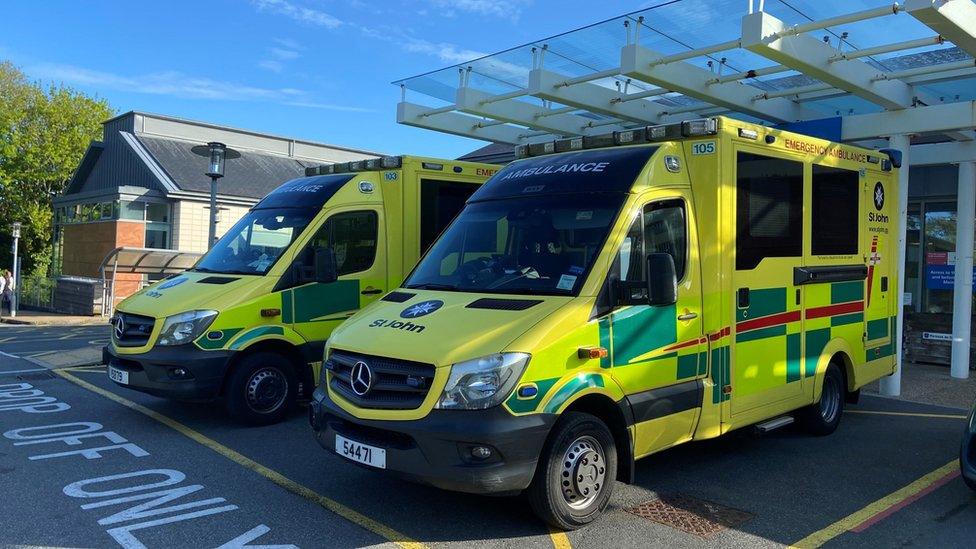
x=665 y=232
x=352 y=235
x=769 y=209
x=835 y=211
x=440 y=202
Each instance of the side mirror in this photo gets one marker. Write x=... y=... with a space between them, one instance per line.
x=326 y=270
x=662 y=280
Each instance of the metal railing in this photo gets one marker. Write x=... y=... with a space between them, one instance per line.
x=36 y=292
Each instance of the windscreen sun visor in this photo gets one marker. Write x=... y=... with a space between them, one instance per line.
x=305 y=192
x=604 y=170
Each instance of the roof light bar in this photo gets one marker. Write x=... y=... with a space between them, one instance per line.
x=372 y=164
x=636 y=136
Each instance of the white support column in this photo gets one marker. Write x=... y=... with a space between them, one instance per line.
x=962 y=307
x=891 y=385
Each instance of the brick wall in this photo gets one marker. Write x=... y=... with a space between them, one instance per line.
x=85 y=246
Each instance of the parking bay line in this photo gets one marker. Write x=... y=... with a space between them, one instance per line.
x=882 y=508
x=345 y=512
x=559 y=539
x=909 y=414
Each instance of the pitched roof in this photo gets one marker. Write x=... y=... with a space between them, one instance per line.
x=494 y=153
x=253 y=175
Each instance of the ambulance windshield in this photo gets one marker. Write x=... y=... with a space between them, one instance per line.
x=255 y=242
x=527 y=245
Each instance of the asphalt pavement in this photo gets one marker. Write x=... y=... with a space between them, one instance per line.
x=166 y=474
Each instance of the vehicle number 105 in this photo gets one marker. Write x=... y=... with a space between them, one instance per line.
x=708 y=147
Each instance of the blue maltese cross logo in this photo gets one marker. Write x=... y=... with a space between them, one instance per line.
x=422 y=308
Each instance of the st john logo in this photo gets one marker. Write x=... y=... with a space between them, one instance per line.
x=422 y=308
x=879 y=196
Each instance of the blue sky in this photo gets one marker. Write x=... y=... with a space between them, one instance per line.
x=310 y=69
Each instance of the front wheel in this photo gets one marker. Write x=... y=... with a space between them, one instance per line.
x=823 y=417
x=576 y=471
x=262 y=389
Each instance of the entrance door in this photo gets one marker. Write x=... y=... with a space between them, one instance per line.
x=768 y=323
x=355 y=235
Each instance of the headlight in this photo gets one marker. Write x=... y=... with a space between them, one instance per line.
x=185 y=327
x=482 y=382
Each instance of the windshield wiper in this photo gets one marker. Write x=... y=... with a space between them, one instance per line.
x=433 y=286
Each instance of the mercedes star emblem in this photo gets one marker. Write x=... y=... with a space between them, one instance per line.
x=361 y=378
x=119 y=327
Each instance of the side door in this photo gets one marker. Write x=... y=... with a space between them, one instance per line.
x=658 y=353
x=355 y=234
x=768 y=316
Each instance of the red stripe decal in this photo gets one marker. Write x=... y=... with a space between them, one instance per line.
x=684 y=344
x=767 y=321
x=881 y=515
x=833 y=310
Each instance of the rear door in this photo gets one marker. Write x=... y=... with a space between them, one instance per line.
x=767 y=316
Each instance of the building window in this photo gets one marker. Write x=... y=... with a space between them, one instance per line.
x=157 y=212
x=133 y=210
x=835 y=211
x=157 y=225
x=769 y=209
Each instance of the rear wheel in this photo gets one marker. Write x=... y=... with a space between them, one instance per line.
x=823 y=417
x=576 y=471
x=262 y=389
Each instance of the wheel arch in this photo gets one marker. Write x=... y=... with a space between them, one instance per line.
x=274 y=345
x=612 y=413
x=839 y=351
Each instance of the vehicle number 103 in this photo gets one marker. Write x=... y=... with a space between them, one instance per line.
x=707 y=147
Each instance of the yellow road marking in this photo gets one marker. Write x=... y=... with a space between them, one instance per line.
x=855 y=519
x=559 y=539
x=270 y=474
x=911 y=414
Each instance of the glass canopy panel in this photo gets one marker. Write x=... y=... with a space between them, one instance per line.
x=677 y=26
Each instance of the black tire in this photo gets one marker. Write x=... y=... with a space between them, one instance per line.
x=580 y=446
x=262 y=389
x=822 y=417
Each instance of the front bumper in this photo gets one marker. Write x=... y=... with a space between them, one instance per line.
x=152 y=372
x=435 y=450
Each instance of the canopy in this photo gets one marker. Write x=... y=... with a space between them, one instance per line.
x=859 y=69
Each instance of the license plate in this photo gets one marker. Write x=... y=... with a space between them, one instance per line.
x=359 y=452
x=118 y=376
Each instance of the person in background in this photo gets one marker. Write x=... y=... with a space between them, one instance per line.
x=6 y=291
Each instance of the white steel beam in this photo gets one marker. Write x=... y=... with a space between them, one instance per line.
x=639 y=63
x=595 y=98
x=763 y=34
x=943 y=153
x=519 y=112
x=454 y=123
x=953 y=19
x=933 y=118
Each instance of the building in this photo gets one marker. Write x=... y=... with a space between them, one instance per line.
x=142 y=187
x=899 y=76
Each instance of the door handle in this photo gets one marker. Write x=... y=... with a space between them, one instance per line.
x=371 y=291
x=687 y=316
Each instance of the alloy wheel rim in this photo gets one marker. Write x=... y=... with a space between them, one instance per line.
x=267 y=390
x=583 y=472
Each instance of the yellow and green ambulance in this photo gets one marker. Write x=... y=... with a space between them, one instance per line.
x=609 y=297
x=248 y=323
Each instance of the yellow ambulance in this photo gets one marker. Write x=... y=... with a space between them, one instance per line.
x=248 y=323
x=609 y=297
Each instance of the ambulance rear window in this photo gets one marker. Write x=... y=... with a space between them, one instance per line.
x=835 y=211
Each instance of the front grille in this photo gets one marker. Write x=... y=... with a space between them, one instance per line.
x=395 y=384
x=136 y=332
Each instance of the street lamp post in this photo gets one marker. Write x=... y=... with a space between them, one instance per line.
x=216 y=153
x=15 y=231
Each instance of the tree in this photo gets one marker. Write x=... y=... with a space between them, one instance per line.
x=43 y=135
